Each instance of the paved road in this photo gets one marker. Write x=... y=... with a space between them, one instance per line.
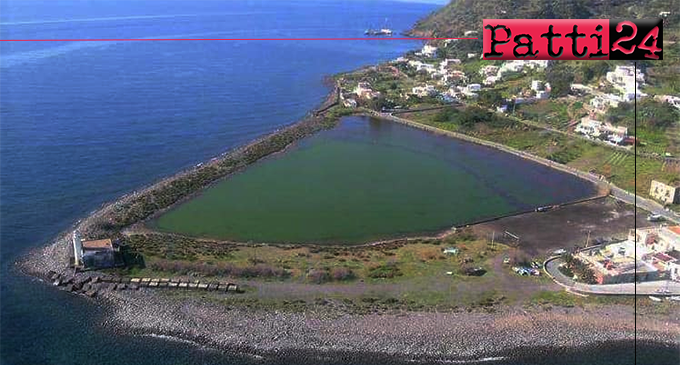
x=645 y=204
x=643 y=288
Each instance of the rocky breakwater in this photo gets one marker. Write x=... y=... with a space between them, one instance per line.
x=90 y=285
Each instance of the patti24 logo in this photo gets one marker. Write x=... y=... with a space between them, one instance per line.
x=573 y=39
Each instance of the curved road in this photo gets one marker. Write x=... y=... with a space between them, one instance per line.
x=643 y=288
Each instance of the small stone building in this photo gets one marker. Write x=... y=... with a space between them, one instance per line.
x=665 y=193
x=93 y=253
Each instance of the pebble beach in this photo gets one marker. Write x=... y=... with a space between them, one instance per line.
x=328 y=329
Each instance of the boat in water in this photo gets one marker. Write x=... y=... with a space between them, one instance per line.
x=378 y=32
x=384 y=31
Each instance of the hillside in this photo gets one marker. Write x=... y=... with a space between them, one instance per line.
x=460 y=15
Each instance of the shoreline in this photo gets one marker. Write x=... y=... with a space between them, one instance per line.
x=415 y=335
x=210 y=320
x=331 y=330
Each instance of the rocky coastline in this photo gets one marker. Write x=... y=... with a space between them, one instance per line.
x=329 y=329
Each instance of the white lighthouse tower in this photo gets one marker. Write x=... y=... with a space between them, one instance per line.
x=77 y=248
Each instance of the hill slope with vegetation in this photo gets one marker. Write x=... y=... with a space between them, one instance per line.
x=461 y=15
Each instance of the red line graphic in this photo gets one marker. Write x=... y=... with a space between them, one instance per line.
x=222 y=39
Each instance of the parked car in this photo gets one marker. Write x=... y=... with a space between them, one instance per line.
x=521 y=271
x=475 y=271
x=559 y=252
x=536 y=265
x=655 y=218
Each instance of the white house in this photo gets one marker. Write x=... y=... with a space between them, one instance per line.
x=589 y=127
x=423 y=91
x=349 y=103
x=454 y=75
x=474 y=87
x=672 y=100
x=93 y=253
x=536 y=64
x=602 y=103
x=449 y=61
x=490 y=80
x=428 y=50
x=536 y=85
x=363 y=90
x=426 y=67
x=628 y=81
x=414 y=63
x=542 y=94
x=489 y=70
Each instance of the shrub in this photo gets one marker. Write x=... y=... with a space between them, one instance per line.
x=318 y=276
x=386 y=271
x=342 y=274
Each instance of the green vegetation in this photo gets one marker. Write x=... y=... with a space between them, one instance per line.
x=402 y=260
x=558 y=298
x=655 y=122
x=560 y=77
x=459 y=16
x=580 y=270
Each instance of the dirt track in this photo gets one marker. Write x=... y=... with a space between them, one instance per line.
x=565 y=227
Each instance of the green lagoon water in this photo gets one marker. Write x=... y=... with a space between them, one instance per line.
x=365 y=180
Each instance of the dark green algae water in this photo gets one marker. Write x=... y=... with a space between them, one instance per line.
x=370 y=179
x=85 y=123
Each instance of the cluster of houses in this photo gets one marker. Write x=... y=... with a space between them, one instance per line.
x=626 y=80
x=648 y=254
x=445 y=74
x=450 y=84
x=493 y=74
x=442 y=71
x=363 y=90
x=605 y=131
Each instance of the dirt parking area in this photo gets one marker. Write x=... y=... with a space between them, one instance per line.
x=565 y=227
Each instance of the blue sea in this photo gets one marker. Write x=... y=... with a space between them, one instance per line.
x=82 y=123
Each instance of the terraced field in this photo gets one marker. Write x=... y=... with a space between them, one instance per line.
x=618 y=158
